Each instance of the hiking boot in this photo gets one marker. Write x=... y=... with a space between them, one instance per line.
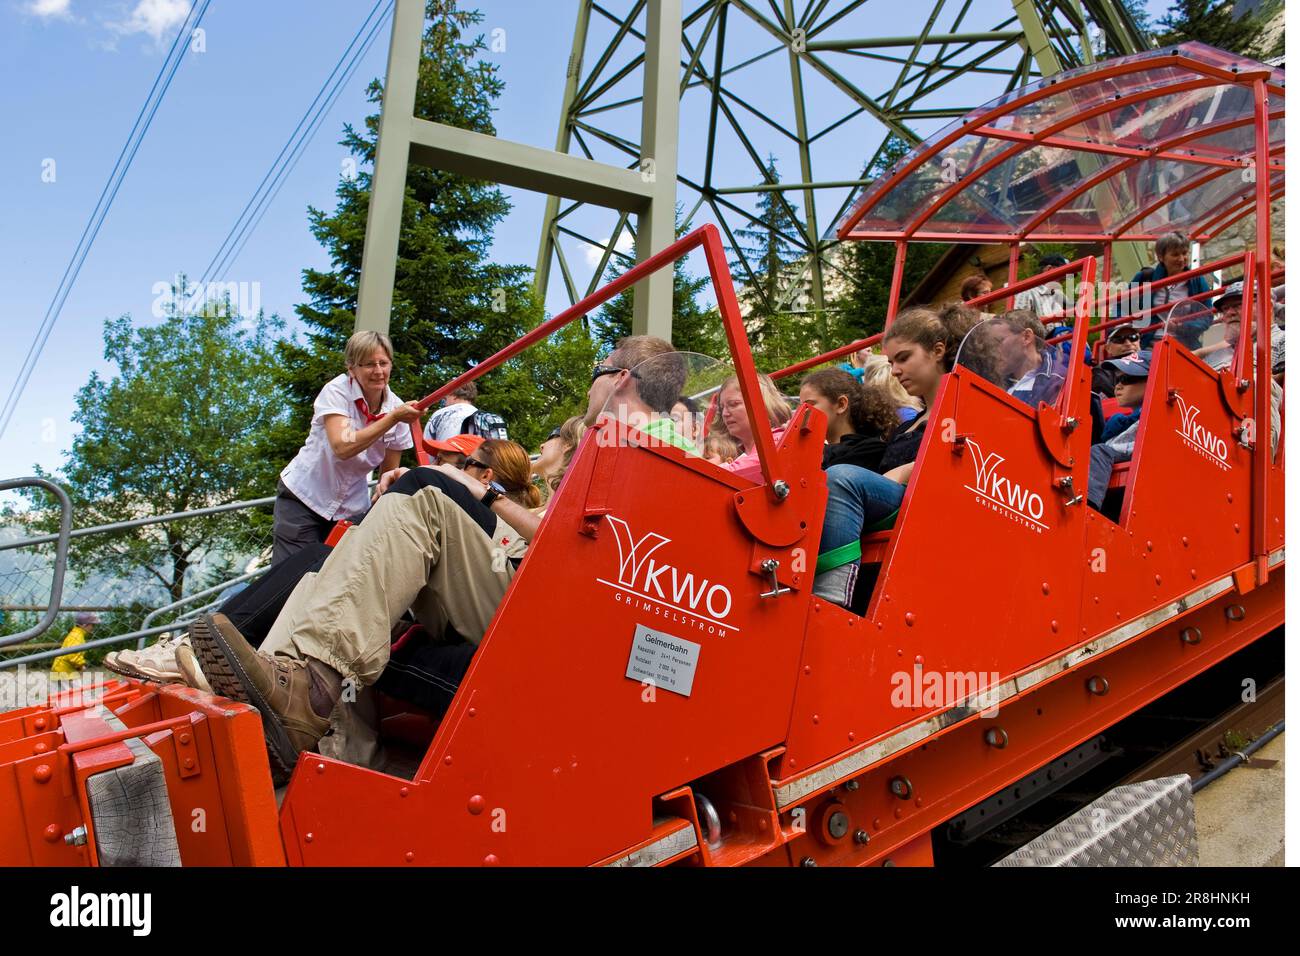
x=295 y=697
x=188 y=664
x=157 y=662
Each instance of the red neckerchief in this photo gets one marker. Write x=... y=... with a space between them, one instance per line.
x=364 y=409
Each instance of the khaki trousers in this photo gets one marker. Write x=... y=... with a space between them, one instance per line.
x=417 y=551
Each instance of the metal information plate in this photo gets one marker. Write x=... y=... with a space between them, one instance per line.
x=662 y=660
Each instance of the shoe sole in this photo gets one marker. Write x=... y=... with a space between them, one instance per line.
x=117 y=667
x=221 y=668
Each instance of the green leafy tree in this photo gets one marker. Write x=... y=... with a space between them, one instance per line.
x=696 y=327
x=1214 y=23
x=181 y=425
x=452 y=306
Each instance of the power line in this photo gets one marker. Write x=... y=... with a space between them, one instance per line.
x=287 y=158
x=171 y=63
x=293 y=163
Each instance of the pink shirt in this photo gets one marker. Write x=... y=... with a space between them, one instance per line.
x=747 y=465
x=324 y=482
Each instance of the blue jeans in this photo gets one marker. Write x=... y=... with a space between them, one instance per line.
x=856 y=497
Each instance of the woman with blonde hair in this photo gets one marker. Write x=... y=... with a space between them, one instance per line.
x=556 y=453
x=357 y=424
x=878 y=376
x=735 y=422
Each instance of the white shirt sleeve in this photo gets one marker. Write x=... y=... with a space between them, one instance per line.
x=332 y=400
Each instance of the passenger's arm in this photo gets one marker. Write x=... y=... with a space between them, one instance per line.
x=386 y=479
x=901 y=474
x=348 y=442
x=392 y=458
x=512 y=513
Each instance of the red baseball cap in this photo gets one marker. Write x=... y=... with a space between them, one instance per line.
x=461 y=444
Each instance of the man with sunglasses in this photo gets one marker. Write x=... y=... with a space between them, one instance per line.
x=638 y=384
x=1122 y=341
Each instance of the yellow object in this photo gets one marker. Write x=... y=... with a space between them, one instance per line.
x=71 y=663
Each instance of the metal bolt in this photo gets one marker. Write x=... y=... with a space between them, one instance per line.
x=1191 y=635
x=852 y=785
x=76 y=838
x=1071 y=424
x=837 y=824
x=781 y=489
x=808 y=862
x=861 y=837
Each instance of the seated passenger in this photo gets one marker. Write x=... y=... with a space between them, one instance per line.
x=454 y=450
x=920 y=348
x=731 y=412
x=418 y=548
x=1046 y=300
x=1120 y=342
x=686 y=416
x=1120 y=433
x=556 y=452
x=877 y=374
x=1173 y=253
x=1130 y=388
x=975 y=285
x=1032 y=370
x=859 y=420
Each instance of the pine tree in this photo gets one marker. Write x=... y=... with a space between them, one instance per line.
x=1215 y=24
x=452 y=306
x=769 y=252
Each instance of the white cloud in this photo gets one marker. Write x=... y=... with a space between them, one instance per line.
x=593 y=253
x=50 y=8
x=158 y=18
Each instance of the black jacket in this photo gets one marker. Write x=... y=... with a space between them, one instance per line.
x=854 y=449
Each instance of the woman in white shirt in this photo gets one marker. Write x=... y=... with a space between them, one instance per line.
x=357 y=424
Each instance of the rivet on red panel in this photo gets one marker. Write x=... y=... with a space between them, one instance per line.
x=320 y=768
x=477 y=803
x=43 y=773
x=410 y=856
x=53 y=833
x=490 y=860
x=447 y=760
x=909 y=618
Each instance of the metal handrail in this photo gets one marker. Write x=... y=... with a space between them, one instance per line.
x=60 y=556
x=87 y=646
x=215 y=589
x=125 y=525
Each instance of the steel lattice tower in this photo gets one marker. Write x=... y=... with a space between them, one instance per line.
x=681 y=102
x=877 y=89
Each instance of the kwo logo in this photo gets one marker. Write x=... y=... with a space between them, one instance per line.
x=1001 y=494
x=1199 y=438
x=663 y=589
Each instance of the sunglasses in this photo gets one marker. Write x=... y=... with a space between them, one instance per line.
x=555 y=433
x=1130 y=379
x=600 y=370
x=1127 y=337
x=473 y=463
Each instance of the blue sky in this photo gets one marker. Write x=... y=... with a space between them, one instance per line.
x=77 y=71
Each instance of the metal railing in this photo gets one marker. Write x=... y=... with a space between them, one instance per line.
x=21 y=576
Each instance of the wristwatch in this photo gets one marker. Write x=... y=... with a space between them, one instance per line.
x=495 y=491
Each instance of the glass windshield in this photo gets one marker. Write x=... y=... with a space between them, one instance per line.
x=1011 y=352
x=1135 y=146
x=668 y=398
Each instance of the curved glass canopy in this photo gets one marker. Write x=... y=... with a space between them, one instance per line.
x=1126 y=149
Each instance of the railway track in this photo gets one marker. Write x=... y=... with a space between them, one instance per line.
x=1202 y=728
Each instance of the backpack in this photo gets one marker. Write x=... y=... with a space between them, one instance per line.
x=487 y=424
